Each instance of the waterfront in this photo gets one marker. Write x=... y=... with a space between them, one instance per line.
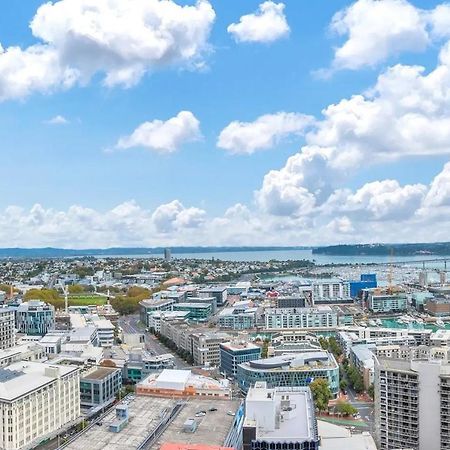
x=284 y=255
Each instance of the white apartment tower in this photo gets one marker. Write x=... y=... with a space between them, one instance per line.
x=412 y=404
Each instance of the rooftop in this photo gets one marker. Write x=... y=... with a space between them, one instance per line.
x=281 y=414
x=334 y=437
x=212 y=428
x=23 y=377
x=98 y=373
x=310 y=359
x=319 y=309
x=239 y=345
x=179 y=446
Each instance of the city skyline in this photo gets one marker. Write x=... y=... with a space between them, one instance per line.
x=151 y=123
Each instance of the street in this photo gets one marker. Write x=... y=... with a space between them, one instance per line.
x=365 y=409
x=131 y=325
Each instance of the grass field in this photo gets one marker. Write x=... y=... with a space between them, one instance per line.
x=84 y=300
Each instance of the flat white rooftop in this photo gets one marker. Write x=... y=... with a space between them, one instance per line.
x=23 y=377
x=334 y=437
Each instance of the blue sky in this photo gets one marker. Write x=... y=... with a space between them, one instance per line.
x=240 y=79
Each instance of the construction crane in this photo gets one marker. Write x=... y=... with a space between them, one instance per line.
x=66 y=296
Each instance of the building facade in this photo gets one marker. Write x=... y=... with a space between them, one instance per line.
x=198 y=312
x=336 y=291
x=37 y=401
x=7 y=328
x=234 y=353
x=35 y=318
x=320 y=317
x=412 y=403
x=290 y=370
x=99 y=386
x=384 y=302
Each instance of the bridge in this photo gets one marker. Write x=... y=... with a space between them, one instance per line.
x=419 y=261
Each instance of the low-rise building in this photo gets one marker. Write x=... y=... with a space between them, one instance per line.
x=154 y=319
x=219 y=292
x=149 y=306
x=37 y=401
x=290 y=370
x=333 y=291
x=142 y=364
x=24 y=352
x=439 y=306
x=233 y=353
x=99 y=386
x=182 y=383
x=382 y=301
x=206 y=347
x=198 y=312
x=291 y=301
x=105 y=331
x=362 y=357
x=319 y=317
x=280 y=418
x=235 y=319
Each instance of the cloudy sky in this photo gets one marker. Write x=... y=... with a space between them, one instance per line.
x=155 y=122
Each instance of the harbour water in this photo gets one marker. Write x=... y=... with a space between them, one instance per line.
x=392 y=323
x=282 y=255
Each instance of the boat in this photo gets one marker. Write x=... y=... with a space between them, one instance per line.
x=440 y=323
x=379 y=322
x=363 y=324
x=372 y=323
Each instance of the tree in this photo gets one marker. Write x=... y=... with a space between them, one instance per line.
x=346 y=408
x=343 y=385
x=324 y=343
x=371 y=391
x=321 y=393
x=334 y=347
x=76 y=289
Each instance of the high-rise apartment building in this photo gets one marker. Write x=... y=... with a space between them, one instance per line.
x=412 y=404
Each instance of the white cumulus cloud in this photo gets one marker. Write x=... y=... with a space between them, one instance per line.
x=406 y=113
x=121 y=40
x=266 y=25
x=375 y=31
x=264 y=133
x=164 y=136
x=172 y=216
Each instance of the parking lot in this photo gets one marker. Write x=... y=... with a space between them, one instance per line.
x=212 y=428
x=144 y=415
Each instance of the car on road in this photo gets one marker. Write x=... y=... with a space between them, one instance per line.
x=212 y=409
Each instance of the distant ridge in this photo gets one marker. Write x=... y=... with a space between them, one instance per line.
x=51 y=252
x=419 y=249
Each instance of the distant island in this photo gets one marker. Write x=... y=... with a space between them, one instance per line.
x=425 y=249
x=51 y=252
